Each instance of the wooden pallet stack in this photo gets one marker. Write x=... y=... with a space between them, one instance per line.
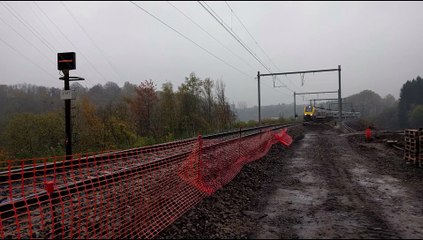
x=421 y=148
x=413 y=150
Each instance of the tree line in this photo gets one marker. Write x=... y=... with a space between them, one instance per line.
x=108 y=117
x=389 y=113
x=111 y=117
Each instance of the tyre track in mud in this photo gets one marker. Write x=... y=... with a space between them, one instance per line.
x=324 y=186
x=326 y=190
x=357 y=206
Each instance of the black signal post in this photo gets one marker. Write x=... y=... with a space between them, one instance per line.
x=65 y=62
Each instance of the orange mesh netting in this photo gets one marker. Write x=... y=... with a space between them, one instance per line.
x=128 y=194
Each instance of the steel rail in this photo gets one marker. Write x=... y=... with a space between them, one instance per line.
x=42 y=169
x=7 y=207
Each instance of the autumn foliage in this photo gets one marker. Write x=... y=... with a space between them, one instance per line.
x=110 y=117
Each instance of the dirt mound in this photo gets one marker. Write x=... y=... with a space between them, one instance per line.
x=327 y=185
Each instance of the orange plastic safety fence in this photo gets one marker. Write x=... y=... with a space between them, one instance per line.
x=128 y=194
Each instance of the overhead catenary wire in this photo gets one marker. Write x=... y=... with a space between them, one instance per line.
x=224 y=25
x=73 y=45
x=190 y=40
x=60 y=31
x=27 y=58
x=28 y=26
x=197 y=43
x=26 y=40
x=276 y=89
x=223 y=45
x=59 y=42
x=212 y=37
x=255 y=41
x=34 y=32
x=51 y=33
x=40 y=18
x=116 y=71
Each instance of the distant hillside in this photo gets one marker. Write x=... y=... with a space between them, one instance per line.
x=369 y=103
x=271 y=111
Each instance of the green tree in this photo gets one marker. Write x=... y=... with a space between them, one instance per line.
x=388 y=118
x=167 y=111
x=142 y=107
x=224 y=115
x=112 y=93
x=97 y=96
x=208 y=85
x=367 y=102
x=128 y=91
x=191 y=121
x=416 y=117
x=410 y=95
x=31 y=135
x=389 y=101
x=88 y=128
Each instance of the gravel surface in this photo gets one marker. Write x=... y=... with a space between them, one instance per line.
x=326 y=185
x=233 y=210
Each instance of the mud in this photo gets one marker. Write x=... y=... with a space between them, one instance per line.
x=326 y=185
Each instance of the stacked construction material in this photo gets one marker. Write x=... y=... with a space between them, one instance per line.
x=421 y=148
x=413 y=146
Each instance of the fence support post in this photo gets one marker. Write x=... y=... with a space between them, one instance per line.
x=200 y=158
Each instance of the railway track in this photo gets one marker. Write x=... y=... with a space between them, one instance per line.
x=27 y=199
x=44 y=170
x=347 y=128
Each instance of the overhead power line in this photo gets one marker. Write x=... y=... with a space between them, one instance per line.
x=224 y=25
x=39 y=16
x=223 y=45
x=73 y=45
x=187 y=38
x=26 y=40
x=59 y=43
x=245 y=28
x=27 y=58
x=275 y=89
x=190 y=40
x=28 y=26
x=255 y=41
x=233 y=34
x=92 y=41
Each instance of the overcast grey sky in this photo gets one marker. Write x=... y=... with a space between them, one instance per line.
x=378 y=44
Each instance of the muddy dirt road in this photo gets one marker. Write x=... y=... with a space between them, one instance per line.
x=325 y=186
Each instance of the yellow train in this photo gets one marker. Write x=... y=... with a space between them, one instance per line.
x=309 y=113
x=312 y=113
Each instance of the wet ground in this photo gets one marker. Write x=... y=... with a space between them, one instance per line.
x=326 y=185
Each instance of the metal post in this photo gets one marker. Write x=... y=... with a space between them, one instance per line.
x=339 y=98
x=68 y=127
x=67 y=61
x=302 y=72
x=200 y=160
x=295 y=107
x=259 y=103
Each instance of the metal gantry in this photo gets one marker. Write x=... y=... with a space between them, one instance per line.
x=303 y=72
